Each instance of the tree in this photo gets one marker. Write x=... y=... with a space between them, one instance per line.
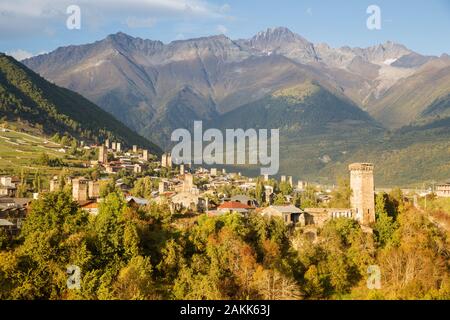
x=280 y=200
x=134 y=281
x=54 y=211
x=385 y=225
x=415 y=266
x=109 y=227
x=22 y=188
x=285 y=188
x=272 y=285
x=143 y=188
x=308 y=198
x=340 y=197
x=259 y=191
x=43 y=159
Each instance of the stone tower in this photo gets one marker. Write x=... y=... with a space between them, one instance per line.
x=103 y=154
x=166 y=161
x=291 y=183
x=188 y=183
x=145 y=155
x=80 y=189
x=54 y=184
x=169 y=161
x=362 y=200
x=94 y=189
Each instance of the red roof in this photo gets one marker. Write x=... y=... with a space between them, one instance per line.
x=233 y=205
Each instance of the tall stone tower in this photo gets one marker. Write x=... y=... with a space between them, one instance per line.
x=362 y=200
x=103 y=154
x=145 y=155
x=80 y=189
x=166 y=160
x=93 y=189
x=188 y=183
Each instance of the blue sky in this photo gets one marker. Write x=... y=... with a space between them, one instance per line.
x=33 y=26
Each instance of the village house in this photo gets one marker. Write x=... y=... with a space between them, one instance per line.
x=443 y=190
x=8 y=186
x=318 y=216
x=187 y=201
x=90 y=206
x=290 y=214
x=246 y=200
x=136 y=202
x=13 y=212
x=233 y=206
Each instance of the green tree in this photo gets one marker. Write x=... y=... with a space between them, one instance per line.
x=279 y=199
x=259 y=191
x=285 y=188
x=385 y=225
x=340 y=197
x=134 y=281
x=308 y=198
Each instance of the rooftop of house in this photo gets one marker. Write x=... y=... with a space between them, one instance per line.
x=287 y=209
x=18 y=202
x=5 y=223
x=139 y=201
x=233 y=205
x=242 y=199
x=89 y=204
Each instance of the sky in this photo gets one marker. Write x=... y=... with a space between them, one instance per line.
x=30 y=27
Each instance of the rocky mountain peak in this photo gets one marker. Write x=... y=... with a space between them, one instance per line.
x=275 y=37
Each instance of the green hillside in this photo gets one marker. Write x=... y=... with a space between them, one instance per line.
x=321 y=134
x=304 y=109
x=27 y=96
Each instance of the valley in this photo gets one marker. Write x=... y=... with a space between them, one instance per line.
x=354 y=103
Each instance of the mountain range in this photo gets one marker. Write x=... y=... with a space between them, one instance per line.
x=331 y=104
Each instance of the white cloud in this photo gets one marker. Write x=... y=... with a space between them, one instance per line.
x=20 y=54
x=30 y=17
x=134 y=22
x=222 y=29
x=225 y=8
x=49 y=8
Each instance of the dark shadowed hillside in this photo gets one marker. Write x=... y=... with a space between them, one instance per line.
x=26 y=95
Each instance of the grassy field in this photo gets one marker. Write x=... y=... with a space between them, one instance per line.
x=21 y=150
x=437 y=204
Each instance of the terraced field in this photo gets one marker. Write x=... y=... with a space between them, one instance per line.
x=21 y=150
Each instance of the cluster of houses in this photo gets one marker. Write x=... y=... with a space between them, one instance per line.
x=13 y=210
x=198 y=191
x=135 y=160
